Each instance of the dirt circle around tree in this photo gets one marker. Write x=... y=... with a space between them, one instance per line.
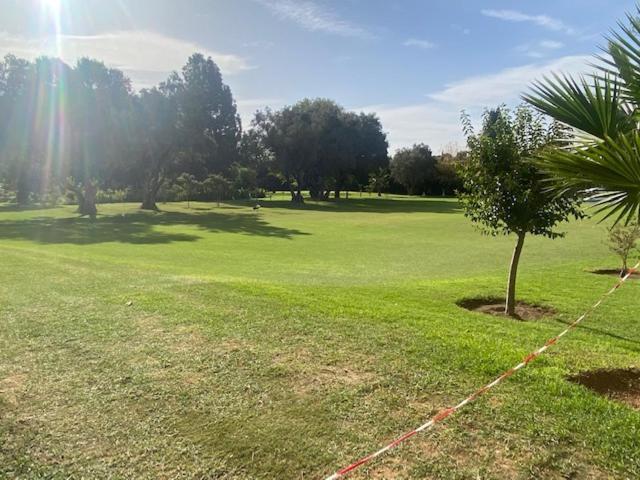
x=615 y=272
x=495 y=306
x=622 y=385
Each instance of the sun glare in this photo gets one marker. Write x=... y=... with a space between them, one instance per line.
x=52 y=4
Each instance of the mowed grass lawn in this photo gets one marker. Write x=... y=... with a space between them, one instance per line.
x=224 y=343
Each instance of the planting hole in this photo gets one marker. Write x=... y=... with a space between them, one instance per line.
x=495 y=306
x=622 y=385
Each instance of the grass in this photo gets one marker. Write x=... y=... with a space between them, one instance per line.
x=226 y=343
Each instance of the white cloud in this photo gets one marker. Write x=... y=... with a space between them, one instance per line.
x=544 y=21
x=145 y=57
x=314 y=17
x=539 y=49
x=414 y=42
x=431 y=123
x=551 y=44
x=436 y=121
x=506 y=85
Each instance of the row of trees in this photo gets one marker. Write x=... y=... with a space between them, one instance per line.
x=419 y=171
x=83 y=128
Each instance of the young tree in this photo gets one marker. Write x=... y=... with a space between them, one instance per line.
x=189 y=186
x=218 y=186
x=379 y=181
x=504 y=192
x=413 y=167
x=623 y=241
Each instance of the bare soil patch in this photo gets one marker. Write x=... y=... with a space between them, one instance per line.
x=622 y=385
x=495 y=306
x=615 y=272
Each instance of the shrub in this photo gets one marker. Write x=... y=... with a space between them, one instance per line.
x=623 y=241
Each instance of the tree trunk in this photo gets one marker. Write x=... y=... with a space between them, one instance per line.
x=297 y=197
x=88 y=206
x=337 y=194
x=510 y=307
x=22 y=189
x=85 y=198
x=150 y=194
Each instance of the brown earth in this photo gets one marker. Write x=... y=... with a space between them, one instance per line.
x=495 y=306
x=618 y=384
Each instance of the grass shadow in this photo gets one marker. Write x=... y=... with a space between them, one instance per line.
x=371 y=205
x=603 y=333
x=14 y=207
x=137 y=228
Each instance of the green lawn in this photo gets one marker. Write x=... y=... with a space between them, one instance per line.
x=224 y=343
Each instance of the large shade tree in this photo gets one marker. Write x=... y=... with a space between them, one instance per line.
x=413 y=167
x=601 y=151
x=318 y=145
x=158 y=142
x=504 y=192
x=61 y=125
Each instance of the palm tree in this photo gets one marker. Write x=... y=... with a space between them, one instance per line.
x=601 y=152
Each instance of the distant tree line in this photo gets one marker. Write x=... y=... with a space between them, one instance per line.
x=83 y=132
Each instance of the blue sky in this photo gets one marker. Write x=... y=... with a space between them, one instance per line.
x=415 y=63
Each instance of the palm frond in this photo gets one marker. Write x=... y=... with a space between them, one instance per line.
x=594 y=108
x=609 y=170
x=623 y=58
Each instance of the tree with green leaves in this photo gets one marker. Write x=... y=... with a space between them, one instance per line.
x=413 y=167
x=217 y=186
x=504 y=191
x=208 y=118
x=189 y=186
x=318 y=145
x=61 y=122
x=601 y=150
x=156 y=115
x=379 y=181
x=623 y=240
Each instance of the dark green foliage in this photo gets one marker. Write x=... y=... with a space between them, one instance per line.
x=85 y=122
x=413 y=167
x=318 y=145
x=504 y=190
x=379 y=181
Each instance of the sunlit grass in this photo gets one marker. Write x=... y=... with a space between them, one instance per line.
x=226 y=343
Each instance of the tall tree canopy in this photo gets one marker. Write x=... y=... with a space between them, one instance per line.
x=82 y=128
x=61 y=122
x=504 y=192
x=413 y=167
x=318 y=145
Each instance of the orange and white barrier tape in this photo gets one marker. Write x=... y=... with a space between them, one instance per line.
x=447 y=412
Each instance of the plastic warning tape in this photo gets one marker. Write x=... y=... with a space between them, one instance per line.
x=447 y=412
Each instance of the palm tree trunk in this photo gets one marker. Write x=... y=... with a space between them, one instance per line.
x=510 y=307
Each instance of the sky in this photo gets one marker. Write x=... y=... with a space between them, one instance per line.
x=416 y=63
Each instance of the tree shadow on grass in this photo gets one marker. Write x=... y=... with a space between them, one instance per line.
x=14 y=207
x=603 y=333
x=371 y=205
x=137 y=228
